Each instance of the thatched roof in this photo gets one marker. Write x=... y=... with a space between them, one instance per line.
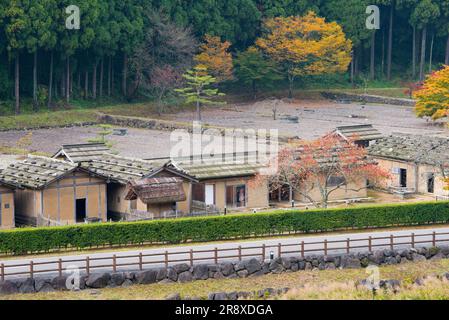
x=35 y=172
x=76 y=153
x=412 y=148
x=363 y=132
x=156 y=190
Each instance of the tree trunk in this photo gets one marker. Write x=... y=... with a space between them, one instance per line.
x=94 y=81
x=254 y=89
x=112 y=79
x=50 y=82
x=86 y=85
x=17 y=83
x=198 y=110
x=291 y=80
x=352 y=67
x=101 y=77
x=373 y=52
x=63 y=83
x=414 y=53
x=423 y=54
x=67 y=87
x=109 y=77
x=79 y=82
x=35 y=106
x=382 y=67
x=431 y=53
x=390 y=42
x=446 y=59
x=124 y=74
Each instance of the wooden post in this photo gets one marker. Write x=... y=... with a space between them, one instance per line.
x=391 y=242
x=263 y=252
x=348 y=245
x=114 y=263
x=302 y=249
x=140 y=261
x=87 y=265
x=279 y=250
x=60 y=267
x=240 y=254
x=413 y=240
x=31 y=269
x=2 y=269
x=216 y=255
x=166 y=259
x=434 y=239
x=191 y=257
x=370 y=244
x=325 y=247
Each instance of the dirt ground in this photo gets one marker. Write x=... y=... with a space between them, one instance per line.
x=315 y=118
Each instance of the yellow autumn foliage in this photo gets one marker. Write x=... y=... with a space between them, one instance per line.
x=215 y=56
x=433 y=97
x=306 y=45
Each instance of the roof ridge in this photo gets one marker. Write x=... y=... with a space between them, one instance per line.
x=31 y=156
x=128 y=158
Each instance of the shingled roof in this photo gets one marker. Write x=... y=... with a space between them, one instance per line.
x=122 y=169
x=412 y=148
x=76 y=153
x=35 y=172
x=361 y=132
x=156 y=190
x=239 y=166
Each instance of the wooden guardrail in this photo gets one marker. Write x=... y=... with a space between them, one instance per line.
x=165 y=258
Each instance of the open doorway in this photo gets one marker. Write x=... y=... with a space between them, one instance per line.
x=403 y=178
x=80 y=210
x=431 y=183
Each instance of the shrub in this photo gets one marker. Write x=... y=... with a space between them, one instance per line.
x=21 y=241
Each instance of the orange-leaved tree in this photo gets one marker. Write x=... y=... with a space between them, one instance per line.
x=433 y=97
x=215 y=56
x=317 y=169
x=305 y=46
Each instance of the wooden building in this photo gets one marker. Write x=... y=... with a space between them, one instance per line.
x=416 y=163
x=363 y=135
x=124 y=173
x=225 y=184
x=54 y=192
x=76 y=153
x=7 y=216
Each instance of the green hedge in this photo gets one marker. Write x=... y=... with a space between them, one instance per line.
x=21 y=241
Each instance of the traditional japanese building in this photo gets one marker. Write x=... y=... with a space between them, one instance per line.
x=416 y=163
x=53 y=192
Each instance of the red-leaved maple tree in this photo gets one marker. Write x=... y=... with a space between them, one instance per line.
x=327 y=165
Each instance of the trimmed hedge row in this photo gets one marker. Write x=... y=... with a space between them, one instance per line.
x=28 y=240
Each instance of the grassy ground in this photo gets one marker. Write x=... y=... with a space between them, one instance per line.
x=329 y=284
x=81 y=111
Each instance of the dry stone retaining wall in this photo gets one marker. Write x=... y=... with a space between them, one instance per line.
x=365 y=98
x=250 y=268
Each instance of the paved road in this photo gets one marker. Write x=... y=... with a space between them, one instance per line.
x=153 y=258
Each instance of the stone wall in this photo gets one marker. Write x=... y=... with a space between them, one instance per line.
x=162 y=125
x=249 y=268
x=364 y=98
